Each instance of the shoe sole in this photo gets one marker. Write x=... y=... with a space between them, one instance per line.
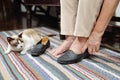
x=70 y=62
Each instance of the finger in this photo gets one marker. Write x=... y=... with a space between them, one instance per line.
x=90 y=49
x=93 y=49
x=97 y=48
x=84 y=48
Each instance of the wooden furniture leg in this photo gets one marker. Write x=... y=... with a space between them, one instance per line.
x=29 y=20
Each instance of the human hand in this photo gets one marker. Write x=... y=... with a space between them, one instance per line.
x=93 y=43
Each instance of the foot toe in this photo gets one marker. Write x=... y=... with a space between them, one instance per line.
x=52 y=51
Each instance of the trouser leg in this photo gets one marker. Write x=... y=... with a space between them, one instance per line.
x=87 y=14
x=68 y=16
x=79 y=16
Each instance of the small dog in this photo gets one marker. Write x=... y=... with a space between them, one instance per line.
x=23 y=41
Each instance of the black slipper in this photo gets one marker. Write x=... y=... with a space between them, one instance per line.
x=40 y=47
x=70 y=57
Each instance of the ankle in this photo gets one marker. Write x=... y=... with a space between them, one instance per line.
x=82 y=39
x=70 y=38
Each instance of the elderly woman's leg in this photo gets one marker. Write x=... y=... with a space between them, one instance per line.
x=88 y=11
x=68 y=18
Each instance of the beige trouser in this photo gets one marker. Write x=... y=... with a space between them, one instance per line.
x=78 y=17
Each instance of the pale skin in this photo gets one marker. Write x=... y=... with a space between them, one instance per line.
x=94 y=40
x=92 y=43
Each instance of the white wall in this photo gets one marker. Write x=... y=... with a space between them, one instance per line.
x=118 y=10
x=117 y=13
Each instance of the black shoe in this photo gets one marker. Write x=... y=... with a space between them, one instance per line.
x=40 y=47
x=70 y=57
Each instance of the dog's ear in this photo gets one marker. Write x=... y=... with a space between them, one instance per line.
x=9 y=39
x=20 y=35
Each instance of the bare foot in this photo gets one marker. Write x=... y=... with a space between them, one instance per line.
x=78 y=44
x=63 y=47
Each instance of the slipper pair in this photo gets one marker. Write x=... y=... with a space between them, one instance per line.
x=40 y=47
x=69 y=57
